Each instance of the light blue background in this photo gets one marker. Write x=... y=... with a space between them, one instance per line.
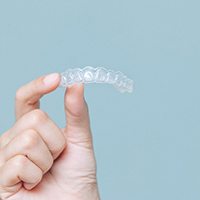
x=147 y=144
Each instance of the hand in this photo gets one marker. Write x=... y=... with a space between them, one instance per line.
x=39 y=160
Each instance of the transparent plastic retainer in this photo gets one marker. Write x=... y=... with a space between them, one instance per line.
x=97 y=75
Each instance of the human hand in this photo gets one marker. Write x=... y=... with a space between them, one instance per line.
x=39 y=160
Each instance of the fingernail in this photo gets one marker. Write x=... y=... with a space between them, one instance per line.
x=51 y=79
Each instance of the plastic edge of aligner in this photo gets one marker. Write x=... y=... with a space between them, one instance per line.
x=68 y=71
x=91 y=69
x=128 y=86
x=97 y=75
x=128 y=89
x=131 y=86
x=62 y=81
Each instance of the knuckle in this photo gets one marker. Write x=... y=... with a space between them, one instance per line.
x=30 y=139
x=19 y=94
x=38 y=116
x=19 y=161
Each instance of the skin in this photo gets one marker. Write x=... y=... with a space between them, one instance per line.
x=39 y=160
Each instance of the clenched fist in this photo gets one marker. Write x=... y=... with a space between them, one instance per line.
x=39 y=160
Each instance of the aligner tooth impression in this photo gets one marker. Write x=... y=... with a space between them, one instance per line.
x=101 y=75
x=88 y=74
x=96 y=75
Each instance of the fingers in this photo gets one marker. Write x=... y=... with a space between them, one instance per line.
x=27 y=97
x=78 y=122
x=17 y=169
x=76 y=108
x=31 y=145
x=39 y=121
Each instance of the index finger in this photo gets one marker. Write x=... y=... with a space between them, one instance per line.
x=28 y=96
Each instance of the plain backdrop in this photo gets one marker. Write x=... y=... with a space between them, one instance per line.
x=147 y=143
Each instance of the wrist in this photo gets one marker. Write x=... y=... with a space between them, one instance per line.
x=93 y=194
x=88 y=193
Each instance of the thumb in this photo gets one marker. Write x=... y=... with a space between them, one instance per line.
x=77 y=115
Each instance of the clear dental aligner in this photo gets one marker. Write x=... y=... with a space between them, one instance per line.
x=96 y=75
